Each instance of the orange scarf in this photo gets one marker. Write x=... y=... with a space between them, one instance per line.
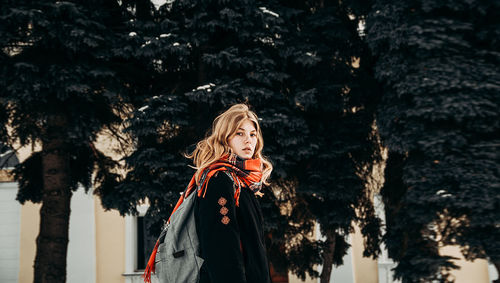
x=245 y=173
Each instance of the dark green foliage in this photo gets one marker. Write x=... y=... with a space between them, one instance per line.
x=201 y=43
x=336 y=101
x=66 y=58
x=439 y=117
x=181 y=65
x=30 y=188
x=293 y=63
x=56 y=58
x=60 y=67
x=412 y=245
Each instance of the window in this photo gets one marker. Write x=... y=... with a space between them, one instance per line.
x=139 y=245
x=8 y=158
x=145 y=242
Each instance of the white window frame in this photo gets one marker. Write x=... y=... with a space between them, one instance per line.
x=132 y=275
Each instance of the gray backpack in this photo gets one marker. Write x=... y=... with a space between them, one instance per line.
x=176 y=254
x=177 y=259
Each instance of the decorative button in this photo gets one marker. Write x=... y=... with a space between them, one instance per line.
x=223 y=210
x=225 y=220
x=222 y=201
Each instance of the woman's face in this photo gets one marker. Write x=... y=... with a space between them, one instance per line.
x=244 y=140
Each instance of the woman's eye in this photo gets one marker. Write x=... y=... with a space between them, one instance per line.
x=253 y=135
x=239 y=134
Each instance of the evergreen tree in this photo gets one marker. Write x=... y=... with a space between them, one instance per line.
x=207 y=55
x=439 y=117
x=59 y=88
x=336 y=97
x=317 y=120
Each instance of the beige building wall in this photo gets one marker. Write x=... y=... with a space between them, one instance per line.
x=470 y=271
x=365 y=269
x=30 y=224
x=110 y=226
x=110 y=244
x=109 y=234
x=294 y=279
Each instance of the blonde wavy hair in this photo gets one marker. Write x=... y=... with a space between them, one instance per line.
x=216 y=144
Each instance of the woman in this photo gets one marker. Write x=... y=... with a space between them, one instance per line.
x=230 y=171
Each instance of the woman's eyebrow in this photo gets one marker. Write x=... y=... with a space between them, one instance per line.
x=244 y=129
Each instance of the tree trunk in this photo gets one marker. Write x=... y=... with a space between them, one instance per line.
x=52 y=240
x=328 y=256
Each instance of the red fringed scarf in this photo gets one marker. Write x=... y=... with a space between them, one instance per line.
x=245 y=173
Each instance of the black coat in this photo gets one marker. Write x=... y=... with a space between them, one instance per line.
x=231 y=237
